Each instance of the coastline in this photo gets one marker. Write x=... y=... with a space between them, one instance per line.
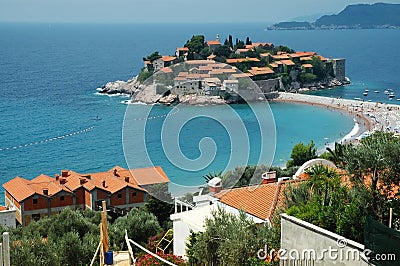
x=369 y=116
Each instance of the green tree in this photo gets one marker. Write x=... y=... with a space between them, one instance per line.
x=195 y=44
x=302 y=153
x=160 y=203
x=229 y=240
x=140 y=225
x=319 y=68
x=223 y=51
x=152 y=57
x=375 y=161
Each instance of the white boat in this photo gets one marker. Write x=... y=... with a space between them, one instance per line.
x=398 y=99
x=376 y=91
x=366 y=90
x=357 y=99
x=365 y=93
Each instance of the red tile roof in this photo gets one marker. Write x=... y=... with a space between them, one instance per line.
x=260 y=201
x=167 y=58
x=182 y=49
x=214 y=42
x=166 y=70
x=288 y=62
x=240 y=60
x=255 y=71
x=307 y=65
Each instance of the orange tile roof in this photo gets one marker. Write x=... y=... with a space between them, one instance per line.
x=288 y=62
x=166 y=70
x=147 y=176
x=307 y=65
x=3 y=208
x=274 y=65
x=18 y=188
x=240 y=60
x=255 y=71
x=241 y=75
x=167 y=58
x=183 y=74
x=213 y=42
x=260 y=201
x=265 y=54
x=211 y=56
x=244 y=50
x=321 y=57
x=199 y=62
x=182 y=49
x=305 y=58
x=280 y=57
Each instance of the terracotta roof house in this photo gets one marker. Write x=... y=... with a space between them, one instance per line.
x=44 y=195
x=213 y=44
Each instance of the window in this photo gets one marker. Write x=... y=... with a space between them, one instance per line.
x=134 y=194
x=35 y=217
x=119 y=195
x=34 y=201
x=62 y=198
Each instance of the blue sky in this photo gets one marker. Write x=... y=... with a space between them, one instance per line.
x=128 y=11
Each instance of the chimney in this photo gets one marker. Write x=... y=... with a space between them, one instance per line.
x=46 y=191
x=104 y=183
x=87 y=176
x=82 y=181
x=63 y=181
x=269 y=177
x=215 y=185
x=127 y=179
x=64 y=173
x=57 y=176
x=115 y=172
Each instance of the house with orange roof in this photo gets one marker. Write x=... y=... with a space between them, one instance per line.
x=213 y=44
x=44 y=195
x=163 y=61
x=181 y=51
x=259 y=203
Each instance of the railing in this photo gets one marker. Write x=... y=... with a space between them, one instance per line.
x=183 y=205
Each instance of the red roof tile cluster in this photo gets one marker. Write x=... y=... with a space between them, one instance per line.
x=111 y=181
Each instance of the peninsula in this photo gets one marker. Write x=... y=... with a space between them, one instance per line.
x=216 y=71
x=360 y=16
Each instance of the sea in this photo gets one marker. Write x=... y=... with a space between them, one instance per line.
x=52 y=117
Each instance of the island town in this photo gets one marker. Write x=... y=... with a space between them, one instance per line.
x=215 y=71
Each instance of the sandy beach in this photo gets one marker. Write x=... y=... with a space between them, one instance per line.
x=369 y=116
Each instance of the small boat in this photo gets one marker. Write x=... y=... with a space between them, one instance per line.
x=366 y=90
x=357 y=99
x=398 y=99
x=97 y=118
x=376 y=91
x=365 y=93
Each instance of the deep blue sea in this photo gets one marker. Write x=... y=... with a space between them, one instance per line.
x=49 y=74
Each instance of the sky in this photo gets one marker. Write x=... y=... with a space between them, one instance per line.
x=168 y=11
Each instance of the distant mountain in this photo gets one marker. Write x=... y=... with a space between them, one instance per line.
x=309 y=18
x=363 y=16
x=360 y=16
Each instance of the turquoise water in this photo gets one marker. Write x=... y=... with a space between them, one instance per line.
x=49 y=74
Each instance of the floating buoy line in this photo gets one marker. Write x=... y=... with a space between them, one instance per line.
x=176 y=110
x=48 y=140
x=78 y=132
